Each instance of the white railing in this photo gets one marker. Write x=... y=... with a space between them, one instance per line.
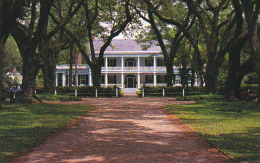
x=67 y=66
x=134 y=69
x=119 y=69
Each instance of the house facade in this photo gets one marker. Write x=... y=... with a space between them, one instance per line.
x=125 y=65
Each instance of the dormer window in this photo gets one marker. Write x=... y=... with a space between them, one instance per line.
x=130 y=62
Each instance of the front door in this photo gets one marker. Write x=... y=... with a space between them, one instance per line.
x=130 y=81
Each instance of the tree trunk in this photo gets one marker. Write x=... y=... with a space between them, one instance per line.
x=169 y=74
x=2 y=74
x=256 y=45
x=49 y=75
x=96 y=75
x=30 y=71
x=233 y=68
x=211 y=79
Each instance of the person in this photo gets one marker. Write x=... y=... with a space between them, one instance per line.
x=18 y=90
x=12 y=92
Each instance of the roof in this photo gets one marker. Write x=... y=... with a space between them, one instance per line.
x=121 y=46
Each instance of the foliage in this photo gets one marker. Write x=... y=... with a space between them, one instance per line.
x=201 y=98
x=39 y=79
x=12 y=58
x=87 y=91
x=233 y=127
x=22 y=127
x=171 y=91
x=51 y=97
x=250 y=78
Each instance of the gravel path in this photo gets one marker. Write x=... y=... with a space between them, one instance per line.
x=128 y=129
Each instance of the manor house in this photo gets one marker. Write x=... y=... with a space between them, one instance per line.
x=126 y=65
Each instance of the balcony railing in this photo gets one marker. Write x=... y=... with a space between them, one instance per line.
x=118 y=69
x=133 y=69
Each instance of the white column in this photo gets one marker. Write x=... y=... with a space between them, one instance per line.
x=89 y=79
x=106 y=80
x=154 y=63
x=138 y=80
x=154 y=80
x=64 y=79
x=106 y=63
x=122 y=81
x=122 y=63
x=56 y=80
x=138 y=63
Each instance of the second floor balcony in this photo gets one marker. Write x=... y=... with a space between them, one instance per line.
x=134 y=69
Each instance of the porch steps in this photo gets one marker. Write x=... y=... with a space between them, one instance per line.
x=130 y=90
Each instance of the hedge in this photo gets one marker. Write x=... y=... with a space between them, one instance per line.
x=170 y=91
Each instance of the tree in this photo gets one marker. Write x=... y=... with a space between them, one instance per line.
x=251 y=10
x=216 y=21
x=103 y=19
x=10 y=10
x=33 y=36
x=51 y=47
x=28 y=38
x=162 y=32
x=235 y=75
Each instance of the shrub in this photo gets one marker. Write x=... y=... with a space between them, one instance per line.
x=51 y=97
x=201 y=98
x=172 y=91
x=89 y=91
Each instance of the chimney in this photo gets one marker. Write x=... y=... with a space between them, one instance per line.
x=79 y=59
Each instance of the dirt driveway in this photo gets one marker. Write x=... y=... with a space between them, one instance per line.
x=127 y=129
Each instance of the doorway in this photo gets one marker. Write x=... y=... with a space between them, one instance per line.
x=130 y=81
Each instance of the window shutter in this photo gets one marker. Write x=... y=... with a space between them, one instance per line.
x=87 y=82
x=103 y=63
x=67 y=79
x=115 y=62
x=115 y=79
x=73 y=80
x=146 y=64
x=79 y=77
x=102 y=79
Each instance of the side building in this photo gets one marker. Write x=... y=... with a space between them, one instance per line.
x=125 y=65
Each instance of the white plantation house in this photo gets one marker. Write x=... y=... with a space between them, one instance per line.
x=126 y=65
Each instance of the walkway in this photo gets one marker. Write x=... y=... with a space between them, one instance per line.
x=128 y=129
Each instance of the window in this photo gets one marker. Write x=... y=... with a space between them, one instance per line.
x=83 y=80
x=111 y=62
x=130 y=63
x=103 y=79
x=160 y=62
x=161 y=78
x=148 y=78
x=148 y=62
x=111 y=79
x=59 y=79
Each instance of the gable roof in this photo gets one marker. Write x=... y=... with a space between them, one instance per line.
x=124 y=46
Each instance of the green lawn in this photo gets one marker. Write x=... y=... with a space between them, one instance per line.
x=25 y=126
x=234 y=127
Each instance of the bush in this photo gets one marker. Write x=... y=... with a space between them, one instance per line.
x=51 y=97
x=201 y=98
x=89 y=91
x=24 y=100
x=171 y=91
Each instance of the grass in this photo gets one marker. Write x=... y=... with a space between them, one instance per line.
x=25 y=126
x=233 y=127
